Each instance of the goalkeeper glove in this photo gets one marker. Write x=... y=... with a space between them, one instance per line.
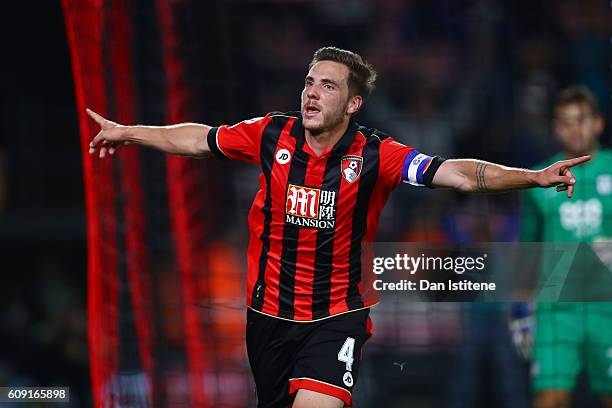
x=521 y=328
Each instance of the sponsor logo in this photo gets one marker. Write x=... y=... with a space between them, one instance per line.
x=348 y=379
x=283 y=156
x=604 y=184
x=303 y=201
x=351 y=167
x=310 y=207
x=583 y=218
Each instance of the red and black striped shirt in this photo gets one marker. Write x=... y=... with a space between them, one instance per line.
x=312 y=213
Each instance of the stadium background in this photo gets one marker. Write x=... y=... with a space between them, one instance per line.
x=166 y=259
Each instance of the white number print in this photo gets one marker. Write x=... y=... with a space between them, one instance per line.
x=345 y=354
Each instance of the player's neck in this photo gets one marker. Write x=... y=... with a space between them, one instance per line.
x=324 y=142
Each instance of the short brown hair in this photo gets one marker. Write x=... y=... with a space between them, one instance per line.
x=362 y=75
x=577 y=94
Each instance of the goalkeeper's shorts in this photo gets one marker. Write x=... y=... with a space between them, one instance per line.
x=571 y=337
x=321 y=356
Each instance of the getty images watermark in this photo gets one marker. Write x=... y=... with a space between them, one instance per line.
x=435 y=267
x=488 y=271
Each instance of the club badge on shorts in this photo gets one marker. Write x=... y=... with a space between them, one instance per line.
x=351 y=167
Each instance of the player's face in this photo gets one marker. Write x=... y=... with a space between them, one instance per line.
x=577 y=128
x=326 y=100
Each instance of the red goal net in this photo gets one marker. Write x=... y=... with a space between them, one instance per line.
x=155 y=266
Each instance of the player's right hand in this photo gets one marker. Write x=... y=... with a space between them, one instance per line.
x=559 y=174
x=110 y=137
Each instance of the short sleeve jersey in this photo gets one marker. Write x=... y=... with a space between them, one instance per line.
x=312 y=213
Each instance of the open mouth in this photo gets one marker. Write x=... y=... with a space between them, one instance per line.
x=311 y=110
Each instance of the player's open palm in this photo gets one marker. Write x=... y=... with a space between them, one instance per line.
x=559 y=174
x=110 y=137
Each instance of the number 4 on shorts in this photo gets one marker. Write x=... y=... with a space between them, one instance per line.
x=345 y=354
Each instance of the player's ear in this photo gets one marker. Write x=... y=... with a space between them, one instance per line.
x=354 y=104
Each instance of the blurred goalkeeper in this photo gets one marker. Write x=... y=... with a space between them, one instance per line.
x=571 y=336
x=324 y=182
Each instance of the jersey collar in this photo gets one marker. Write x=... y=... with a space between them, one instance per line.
x=339 y=149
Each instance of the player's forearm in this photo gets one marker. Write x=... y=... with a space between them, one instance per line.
x=494 y=177
x=185 y=139
x=473 y=176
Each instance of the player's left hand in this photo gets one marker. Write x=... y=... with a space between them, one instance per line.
x=559 y=174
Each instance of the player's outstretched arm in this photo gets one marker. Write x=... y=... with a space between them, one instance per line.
x=185 y=139
x=478 y=176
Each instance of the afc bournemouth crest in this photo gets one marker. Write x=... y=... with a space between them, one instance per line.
x=351 y=167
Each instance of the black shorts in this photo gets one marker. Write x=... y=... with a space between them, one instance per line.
x=321 y=356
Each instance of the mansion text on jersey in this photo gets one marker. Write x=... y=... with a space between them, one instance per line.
x=310 y=207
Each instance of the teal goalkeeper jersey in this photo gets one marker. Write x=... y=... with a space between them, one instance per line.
x=549 y=216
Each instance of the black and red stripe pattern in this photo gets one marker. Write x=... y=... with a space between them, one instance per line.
x=311 y=214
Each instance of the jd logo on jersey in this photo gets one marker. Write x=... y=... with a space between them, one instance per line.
x=351 y=167
x=283 y=156
x=310 y=207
